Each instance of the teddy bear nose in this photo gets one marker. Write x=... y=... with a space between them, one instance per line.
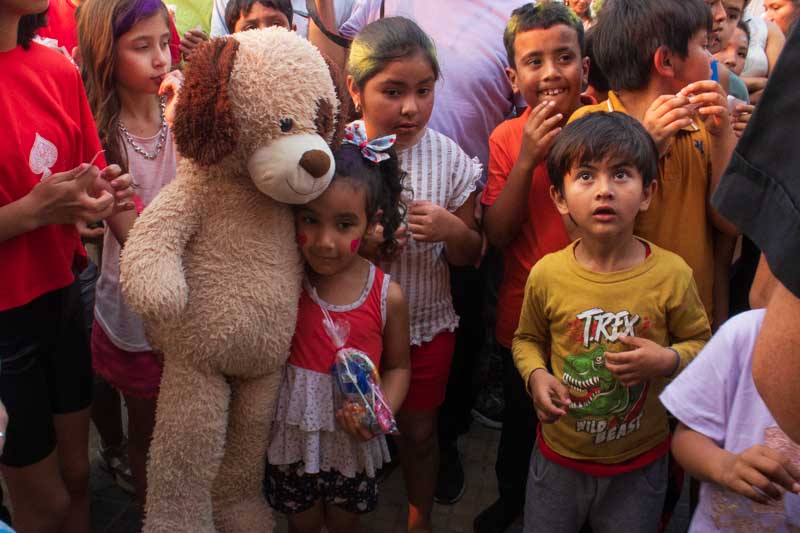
x=316 y=163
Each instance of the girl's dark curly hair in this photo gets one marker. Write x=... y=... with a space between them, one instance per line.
x=383 y=186
x=26 y=30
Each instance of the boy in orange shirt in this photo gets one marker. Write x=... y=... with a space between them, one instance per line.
x=544 y=44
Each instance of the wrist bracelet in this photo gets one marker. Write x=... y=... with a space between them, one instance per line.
x=677 y=361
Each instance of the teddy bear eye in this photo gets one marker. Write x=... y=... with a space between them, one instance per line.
x=286 y=124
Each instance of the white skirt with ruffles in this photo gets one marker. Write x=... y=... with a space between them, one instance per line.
x=305 y=429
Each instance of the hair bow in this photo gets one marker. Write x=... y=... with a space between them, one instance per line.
x=373 y=150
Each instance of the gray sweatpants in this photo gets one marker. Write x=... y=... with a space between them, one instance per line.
x=559 y=499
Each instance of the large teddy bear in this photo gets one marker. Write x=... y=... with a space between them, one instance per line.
x=212 y=266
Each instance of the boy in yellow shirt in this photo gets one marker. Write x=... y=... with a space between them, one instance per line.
x=655 y=57
x=605 y=322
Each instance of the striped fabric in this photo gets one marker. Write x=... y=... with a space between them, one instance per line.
x=438 y=171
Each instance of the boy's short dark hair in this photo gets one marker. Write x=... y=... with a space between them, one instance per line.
x=28 y=26
x=628 y=33
x=237 y=7
x=598 y=136
x=597 y=79
x=542 y=15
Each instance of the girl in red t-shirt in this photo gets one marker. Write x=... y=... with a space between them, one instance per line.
x=47 y=186
x=321 y=466
x=125 y=70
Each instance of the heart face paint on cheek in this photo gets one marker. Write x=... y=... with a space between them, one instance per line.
x=302 y=239
x=354 y=244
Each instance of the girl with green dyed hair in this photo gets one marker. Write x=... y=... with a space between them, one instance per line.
x=392 y=73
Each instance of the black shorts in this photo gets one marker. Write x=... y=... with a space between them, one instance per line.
x=289 y=490
x=45 y=370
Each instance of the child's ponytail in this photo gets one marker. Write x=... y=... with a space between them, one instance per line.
x=392 y=201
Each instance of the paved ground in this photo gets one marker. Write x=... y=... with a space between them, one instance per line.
x=113 y=511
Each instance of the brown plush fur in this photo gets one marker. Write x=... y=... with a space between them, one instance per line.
x=204 y=105
x=213 y=267
x=345 y=103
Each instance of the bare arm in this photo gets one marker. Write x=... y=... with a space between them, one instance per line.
x=395 y=363
x=723 y=141
x=327 y=15
x=698 y=455
x=62 y=198
x=120 y=225
x=763 y=285
x=775 y=41
x=17 y=218
x=505 y=216
x=758 y=467
x=463 y=245
x=724 y=246
x=713 y=110
x=776 y=360
x=722 y=149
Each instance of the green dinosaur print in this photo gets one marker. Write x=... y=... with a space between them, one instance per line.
x=593 y=389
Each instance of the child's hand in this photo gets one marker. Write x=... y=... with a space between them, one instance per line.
x=115 y=182
x=760 y=468
x=190 y=40
x=550 y=396
x=540 y=130
x=349 y=417
x=741 y=116
x=69 y=197
x=712 y=105
x=372 y=240
x=647 y=361
x=429 y=222
x=665 y=117
x=171 y=87
x=89 y=234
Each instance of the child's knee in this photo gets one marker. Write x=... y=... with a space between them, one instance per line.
x=340 y=521
x=47 y=512
x=309 y=521
x=419 y=440
x=76 y=477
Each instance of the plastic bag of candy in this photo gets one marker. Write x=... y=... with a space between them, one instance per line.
x=358 y=384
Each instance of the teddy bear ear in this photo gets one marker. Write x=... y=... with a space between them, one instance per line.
x=345 y=103
x=205 y=127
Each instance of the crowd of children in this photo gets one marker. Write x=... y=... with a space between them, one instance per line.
x=595 y=190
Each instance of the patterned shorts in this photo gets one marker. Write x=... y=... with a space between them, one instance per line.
x=290 y=490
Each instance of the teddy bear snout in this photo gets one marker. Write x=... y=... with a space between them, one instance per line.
x=316 y=163
x=292 y=169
